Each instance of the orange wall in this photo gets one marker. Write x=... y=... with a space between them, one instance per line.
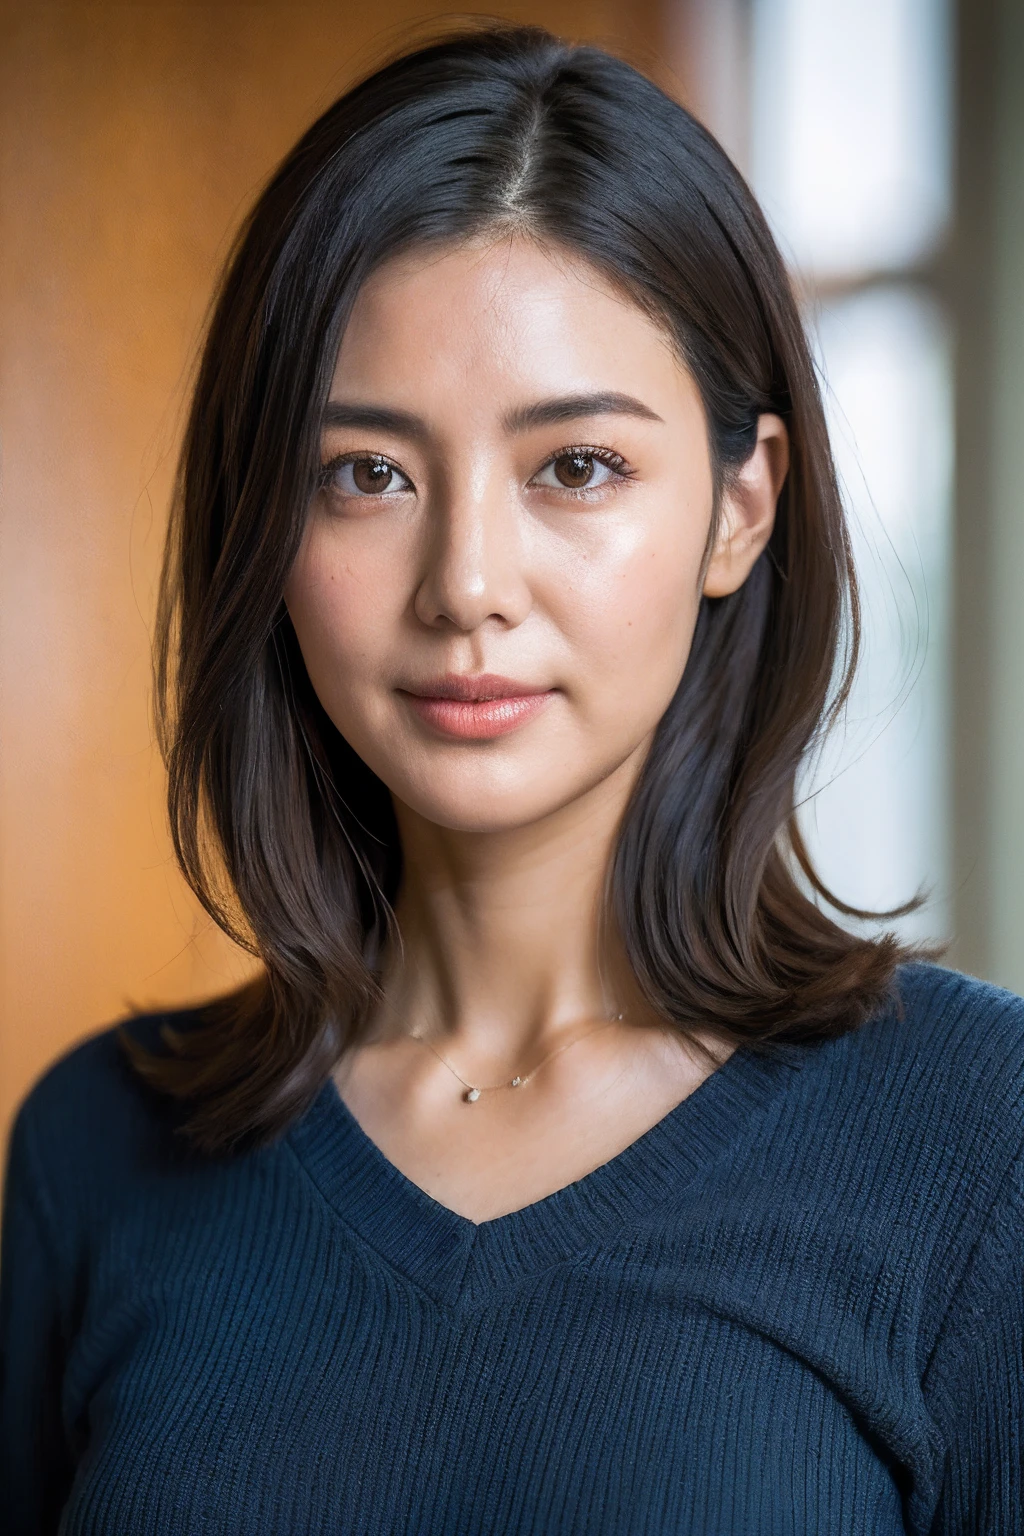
x=132 y=138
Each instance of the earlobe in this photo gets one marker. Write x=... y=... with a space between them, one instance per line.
x=747 y=514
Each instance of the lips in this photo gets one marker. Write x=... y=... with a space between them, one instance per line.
x=475 y=708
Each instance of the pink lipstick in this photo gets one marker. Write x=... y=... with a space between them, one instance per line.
x=476 y=708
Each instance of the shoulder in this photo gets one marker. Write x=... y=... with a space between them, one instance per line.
x=963 y=1037
x=936 y=1080
x=953 y=1031
x=909 y=1131
x=92 y=1086
x=927 y=992
x=89 y=1123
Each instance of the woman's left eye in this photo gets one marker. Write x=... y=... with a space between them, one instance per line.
x=580 y=469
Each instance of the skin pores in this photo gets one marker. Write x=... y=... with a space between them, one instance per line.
x=518 y=487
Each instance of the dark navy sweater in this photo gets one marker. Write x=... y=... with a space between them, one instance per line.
x=796 y=1305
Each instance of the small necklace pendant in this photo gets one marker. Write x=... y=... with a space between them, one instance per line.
x=516 y=1082
x=472 y=1096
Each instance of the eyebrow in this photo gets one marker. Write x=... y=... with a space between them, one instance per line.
x=546 y=413
x=374 y=418
x=524 y=418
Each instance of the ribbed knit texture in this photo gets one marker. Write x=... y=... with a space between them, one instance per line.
x=796 y=1305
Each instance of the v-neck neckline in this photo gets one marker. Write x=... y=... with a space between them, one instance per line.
x=453 y=1258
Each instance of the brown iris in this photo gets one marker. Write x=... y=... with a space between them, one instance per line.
x=371 y=475
x=574 y=469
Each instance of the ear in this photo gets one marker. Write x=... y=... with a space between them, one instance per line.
x=747 y=514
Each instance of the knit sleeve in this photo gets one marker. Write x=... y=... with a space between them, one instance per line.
x=974 y=1385
x=35 y=1462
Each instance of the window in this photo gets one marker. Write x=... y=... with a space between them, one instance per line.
x=838 y=112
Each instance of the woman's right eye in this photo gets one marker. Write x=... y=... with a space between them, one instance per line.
x=363 y=475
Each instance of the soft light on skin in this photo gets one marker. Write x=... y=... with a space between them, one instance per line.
x=444 y=544
x=479 y=561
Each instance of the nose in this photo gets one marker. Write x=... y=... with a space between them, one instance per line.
x=474 y=560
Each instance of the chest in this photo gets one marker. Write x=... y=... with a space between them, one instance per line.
x=628 y=1391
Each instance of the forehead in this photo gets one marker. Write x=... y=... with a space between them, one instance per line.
x=504 y=314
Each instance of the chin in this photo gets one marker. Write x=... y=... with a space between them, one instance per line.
x=486 y=803
x=484 y=811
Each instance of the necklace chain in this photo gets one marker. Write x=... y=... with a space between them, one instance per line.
x=473 y=1091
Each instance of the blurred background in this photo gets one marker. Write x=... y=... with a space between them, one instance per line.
x=885 y=139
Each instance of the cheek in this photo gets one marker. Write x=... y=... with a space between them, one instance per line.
x=338 y=610
x=340 y=619
x=630 y=612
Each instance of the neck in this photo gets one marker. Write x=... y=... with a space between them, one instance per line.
x=506 y=946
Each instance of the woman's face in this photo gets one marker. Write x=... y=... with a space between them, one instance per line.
x=497 y=588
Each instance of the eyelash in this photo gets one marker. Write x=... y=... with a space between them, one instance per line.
x=606 y=456
x=331 y=467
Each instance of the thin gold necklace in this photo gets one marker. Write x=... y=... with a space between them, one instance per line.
x=473 y=1091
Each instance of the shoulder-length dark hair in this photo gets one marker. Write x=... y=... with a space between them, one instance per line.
x=286 y=837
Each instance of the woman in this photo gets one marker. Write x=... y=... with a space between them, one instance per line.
x=568 y=1168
